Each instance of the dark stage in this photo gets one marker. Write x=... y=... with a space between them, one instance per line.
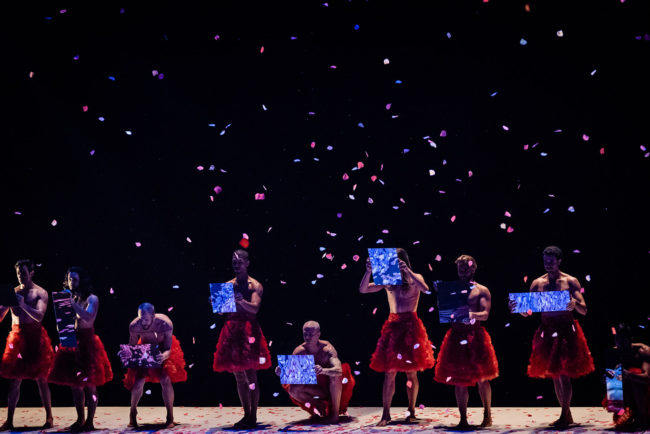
x=144 y=141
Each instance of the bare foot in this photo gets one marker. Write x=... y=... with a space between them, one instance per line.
x=562 y=422
x=7 y=426
x=133 y=419
x=245 y=423
x=88 y=426
x=170 y=423
x=487 y=421
x=77 y=425
x=462 y=425
x=330 y=420
x=411 y=419
x=383 y=422
x=49 y=423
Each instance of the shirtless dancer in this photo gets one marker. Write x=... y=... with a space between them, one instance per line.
x=403 y=345
x=330 y=397
x=28 y=352
x=466 y=356
x=242 y=348
x=155 y=328
x=560 y=349
x=87 y=366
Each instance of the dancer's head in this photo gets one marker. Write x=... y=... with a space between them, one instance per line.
x=311 y=331
x=24 y=271
x=466 y=267
x=77 y=280
x=552 y=259
x=146 y=313
x=240 y=261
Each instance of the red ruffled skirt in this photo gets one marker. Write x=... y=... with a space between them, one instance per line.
x=28 y=353
x=85 y=365
x=560 y=349
x=403 y=345
x=241 y=345
x=322 y=390
x=466 y=356
x=174 y=367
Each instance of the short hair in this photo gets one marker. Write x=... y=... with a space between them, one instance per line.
x=85 y=285
x=24 y=263
x=240 y=253
x=311 y=324
x=147 y=307
x=401 y=254
x=469 y=260
x=553 y=251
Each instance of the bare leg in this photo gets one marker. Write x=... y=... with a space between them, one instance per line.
x=12 y=402
x=412 y=393
x=387 y=396
x=640 y=405
x=136 y=394
x=46 y=399
x=462 y=396
x=251 y=375
x=78 y=399
x=244 y=397
x=564 y=393
x=168 y=399
x=91 y=401
x=335 y=388
x=485 y=391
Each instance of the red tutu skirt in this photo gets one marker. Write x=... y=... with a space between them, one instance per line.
x=560 y=349
x=466 y=356
x=85 y=365
x=403 y=345
x=241 y=345
x=28 y=353
x=173 y=367
x=322 y=390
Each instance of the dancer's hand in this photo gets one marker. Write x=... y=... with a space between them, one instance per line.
x=318 y=369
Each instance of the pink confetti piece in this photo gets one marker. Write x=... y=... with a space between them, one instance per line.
x=54 y=223
x=220 y=405
x=602 y=151
x=251 y=386
x=217 y=189
x=259 y=196
x=447 y=381
x=344 y=266
x=453 y=218
x=373 y=178
x=360 y=165
x=84 y=108
x=111 y=291
x=261 y=49
x=470 y=174
x=147 y=392
x=138 y=244
x=505 y=128
x=31 y=74
x=345 y=177
x=344 y=380
x=355 y=258
x=251 y=339
x=357 y=372
x=585 y=137
x=262 y=360
x=510 y=229
x=409 y=384
x=530 y=312
x=463 y=342
x=216 y=37
x=188 y=239
x=11 y=345
x=20 y=356
x=170 y=309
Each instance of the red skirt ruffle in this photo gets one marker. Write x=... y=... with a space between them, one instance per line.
x=323 y=404
x=241 y=345
x=85 y=365
x=174 y=367
x=466 y=356
x=403 y=345
x=560 y=349
x=28 y=353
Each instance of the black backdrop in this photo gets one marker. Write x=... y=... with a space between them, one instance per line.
x=552 y=129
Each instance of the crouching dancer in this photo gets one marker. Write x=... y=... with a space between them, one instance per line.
x=330 y=397
x=155 y=328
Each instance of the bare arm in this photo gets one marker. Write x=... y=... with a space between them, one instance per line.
x=134 y=336
x=577 y=300
x=486 y=304
x=336 y=368
x=365 y=287
x=252 y=306
x=90 y=313
x=643 y=378
x=38 y=312
x=166 y=346
x=417 y=280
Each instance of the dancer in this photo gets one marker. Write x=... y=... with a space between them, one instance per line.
x=242 y=348
x=87 y=366
x=155 y=328
x=403 y=345
x=330 y=397
x=560 y=349
x=28 y=353
x=466 y=356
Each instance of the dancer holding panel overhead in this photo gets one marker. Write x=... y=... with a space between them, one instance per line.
x=560 y=349
x=466 y=356
x=330 y=397
x=242 y=348
x=87 y=366
x=403 y=345
x=156 y=329
x=28 y=353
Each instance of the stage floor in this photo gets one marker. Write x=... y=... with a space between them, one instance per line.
x=292 y=419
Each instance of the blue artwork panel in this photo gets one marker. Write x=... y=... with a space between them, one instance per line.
x=547 y=301
x=297 y=369
x=614 y=385
x=222 y=296
x=139 y=356
x=452 y=301
x=385 y=267
x=65 y=319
